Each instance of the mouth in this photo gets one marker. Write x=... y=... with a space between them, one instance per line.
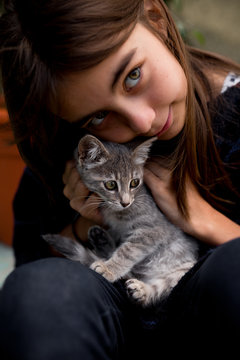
x=167 y=123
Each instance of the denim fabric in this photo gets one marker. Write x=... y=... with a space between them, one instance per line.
x=58 y=309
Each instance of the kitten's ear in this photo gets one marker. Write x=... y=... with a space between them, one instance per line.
x=91 y=152
x=140 y=153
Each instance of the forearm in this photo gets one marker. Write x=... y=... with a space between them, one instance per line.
x=214 y=228
x=81 y=227
x=204 y=222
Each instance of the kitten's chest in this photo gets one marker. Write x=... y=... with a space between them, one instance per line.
x=119 y=224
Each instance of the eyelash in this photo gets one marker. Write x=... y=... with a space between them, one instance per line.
x=97 y=118
x=104 y=113
x=139 y=74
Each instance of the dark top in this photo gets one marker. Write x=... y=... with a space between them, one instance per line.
x=36 y=214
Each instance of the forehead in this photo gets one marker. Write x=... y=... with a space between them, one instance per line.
x=80 y=92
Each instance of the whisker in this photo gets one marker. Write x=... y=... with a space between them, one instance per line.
x=93 y=204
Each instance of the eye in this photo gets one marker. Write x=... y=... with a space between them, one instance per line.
x=132 y=79
x=134 y=183
x=110 y=185
x=98 y=118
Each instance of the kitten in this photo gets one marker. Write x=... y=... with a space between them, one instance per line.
x=140 y=245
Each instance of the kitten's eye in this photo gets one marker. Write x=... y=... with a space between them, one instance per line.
x=110 y=185
x=98 y=118
x=132 y=79
x=134 y=183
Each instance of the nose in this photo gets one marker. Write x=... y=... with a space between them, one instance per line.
x=139 y=117
x=125 y=199
x=125 y=204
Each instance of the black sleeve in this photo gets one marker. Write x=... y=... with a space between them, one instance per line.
x=226 y=126
x=35 y=214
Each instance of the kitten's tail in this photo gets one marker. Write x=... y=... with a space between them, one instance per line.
x=70 y=249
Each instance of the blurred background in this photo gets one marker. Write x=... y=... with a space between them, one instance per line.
x=207 y=24
x=213 y=25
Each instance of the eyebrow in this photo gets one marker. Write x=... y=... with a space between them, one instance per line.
x=122 y=66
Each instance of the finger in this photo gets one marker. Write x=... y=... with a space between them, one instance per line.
x=75 y=187
x=70 y=165
x=150 y=179
x=92 y=211
x=160 y=171
x=149 y=174
x=71 y=180
x=160 y=190
x=88 y=207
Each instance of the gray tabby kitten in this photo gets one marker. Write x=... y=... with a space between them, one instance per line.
x=140 y=245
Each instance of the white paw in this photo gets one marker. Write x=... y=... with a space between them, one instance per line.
x=101 y=268
x=136 y=290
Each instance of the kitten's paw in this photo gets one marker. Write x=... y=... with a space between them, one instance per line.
x=136 y=291
x=100 y=241
x=101 y=268
x=97 y=236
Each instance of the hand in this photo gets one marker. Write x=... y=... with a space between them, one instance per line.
x=204 y=222
x=81 y=199
x=158 y=179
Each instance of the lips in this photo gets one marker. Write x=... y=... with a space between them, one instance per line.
x=167 y=124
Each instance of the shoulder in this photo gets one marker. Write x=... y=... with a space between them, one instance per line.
x=226 y=128
x=225 y=114
x=231 y=80
x=34 y=203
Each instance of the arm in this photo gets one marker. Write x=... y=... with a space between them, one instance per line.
x=35 y=215
x=81 y=226
x=205 y=223
x=31 y=219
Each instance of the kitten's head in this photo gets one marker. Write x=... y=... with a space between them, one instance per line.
x=113 y=171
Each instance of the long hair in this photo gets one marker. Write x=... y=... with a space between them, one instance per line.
x=42 y=40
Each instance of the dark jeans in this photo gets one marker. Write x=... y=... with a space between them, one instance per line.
x=58 y=309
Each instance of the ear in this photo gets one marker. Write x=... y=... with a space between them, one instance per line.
x=91 y=152
x=156 y=14
x=140 y=154
x=152 y=10
x=148 y=5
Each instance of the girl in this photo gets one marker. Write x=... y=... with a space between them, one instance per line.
x=119 y=70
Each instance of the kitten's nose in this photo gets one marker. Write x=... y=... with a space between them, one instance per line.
x=124 y=204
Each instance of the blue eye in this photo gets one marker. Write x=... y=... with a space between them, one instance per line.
x=132 y=79
x=98 y=118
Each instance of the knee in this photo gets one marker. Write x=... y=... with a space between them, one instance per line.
x=218 y=286
x=223 y=265
x=48 y=290
x=54 y=280
x=47 y=303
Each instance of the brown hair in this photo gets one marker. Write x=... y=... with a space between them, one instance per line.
x=42 y=40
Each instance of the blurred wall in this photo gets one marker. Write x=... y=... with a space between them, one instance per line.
x=218 y=21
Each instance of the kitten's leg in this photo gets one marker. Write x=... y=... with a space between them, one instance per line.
x=141 y=243
x=157 y=289
x=143 y=293
x=102 y=244
x=173 y=278
x=137 y=291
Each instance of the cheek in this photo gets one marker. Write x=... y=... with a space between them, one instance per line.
x=178 y=82
x=112 y=197
x=170 y=89
x=169 y=83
